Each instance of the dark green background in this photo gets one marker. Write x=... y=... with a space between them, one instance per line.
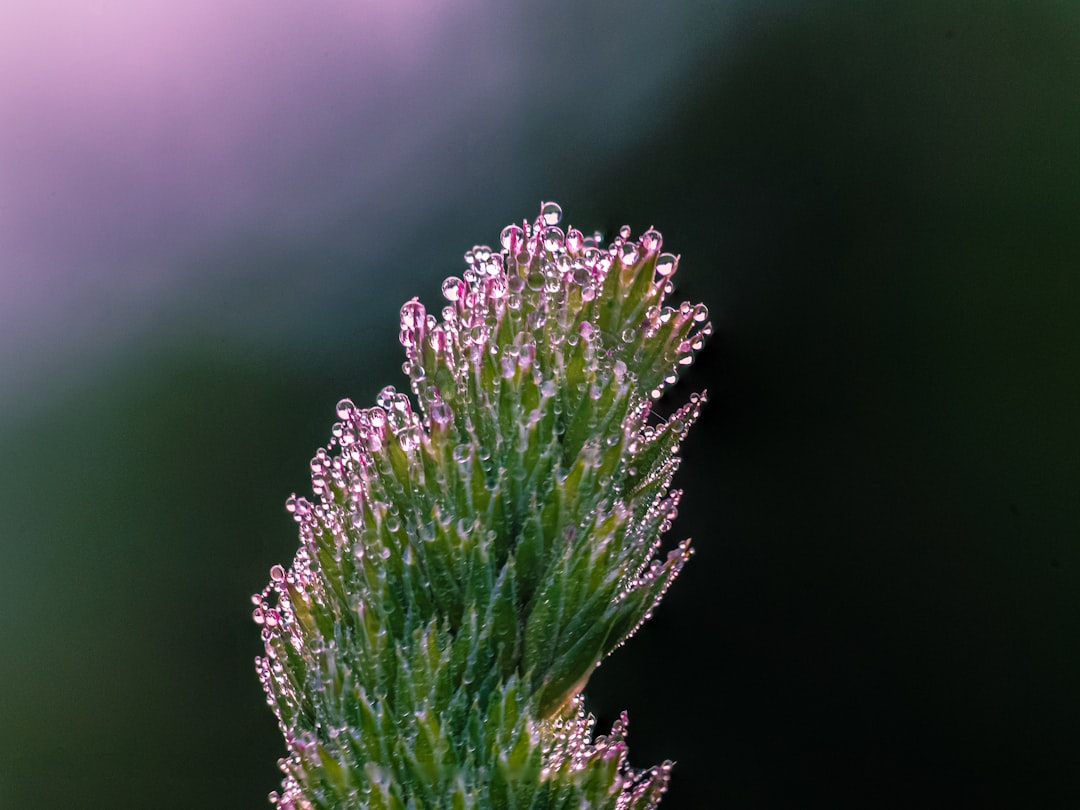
x=880 y=204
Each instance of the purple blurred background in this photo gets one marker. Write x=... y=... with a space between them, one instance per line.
x=145 y=144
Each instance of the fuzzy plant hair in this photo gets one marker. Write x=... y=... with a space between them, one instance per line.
x=474 y=550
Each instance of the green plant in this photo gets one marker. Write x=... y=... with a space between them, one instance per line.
x=471 y=555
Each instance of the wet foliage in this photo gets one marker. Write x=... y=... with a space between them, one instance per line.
x=475 y=547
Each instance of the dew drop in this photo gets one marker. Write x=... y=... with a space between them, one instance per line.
x=345 y=408
x=551 y=213
x=277 y=573
x=509 y=366
x=413 y=314
x=497 y=287
x=510 y=237
x=441 y=414
x=385 y=398
x=553 y=238
x=452 y=288
x=666 y=264
x=651 y=240
x=377 y=416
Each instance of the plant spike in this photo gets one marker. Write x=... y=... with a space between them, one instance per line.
x=473 y=552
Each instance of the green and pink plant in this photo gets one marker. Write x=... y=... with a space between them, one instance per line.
x=475 y=547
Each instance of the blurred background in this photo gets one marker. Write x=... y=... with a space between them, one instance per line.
x=211 y=211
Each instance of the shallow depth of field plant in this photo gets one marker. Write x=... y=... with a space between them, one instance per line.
x=477 y=545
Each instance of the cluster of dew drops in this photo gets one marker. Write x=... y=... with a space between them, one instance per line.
x=537 y=258
x=541 y=258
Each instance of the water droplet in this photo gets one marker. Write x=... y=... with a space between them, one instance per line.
x=410 y=438
x=666 y=263
x=385 y=398
x=511 y=237
x=345 y=408
x=551 y=213
x=277 y=573
x=452 y=288
x=440 y=414
x=509 y=366
x=651 y=240
x=463 y=453
x=413 y=314
x=701 y=312
x=628 y=253
x=553 y=238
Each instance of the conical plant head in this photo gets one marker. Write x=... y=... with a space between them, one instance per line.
x=476 y=545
